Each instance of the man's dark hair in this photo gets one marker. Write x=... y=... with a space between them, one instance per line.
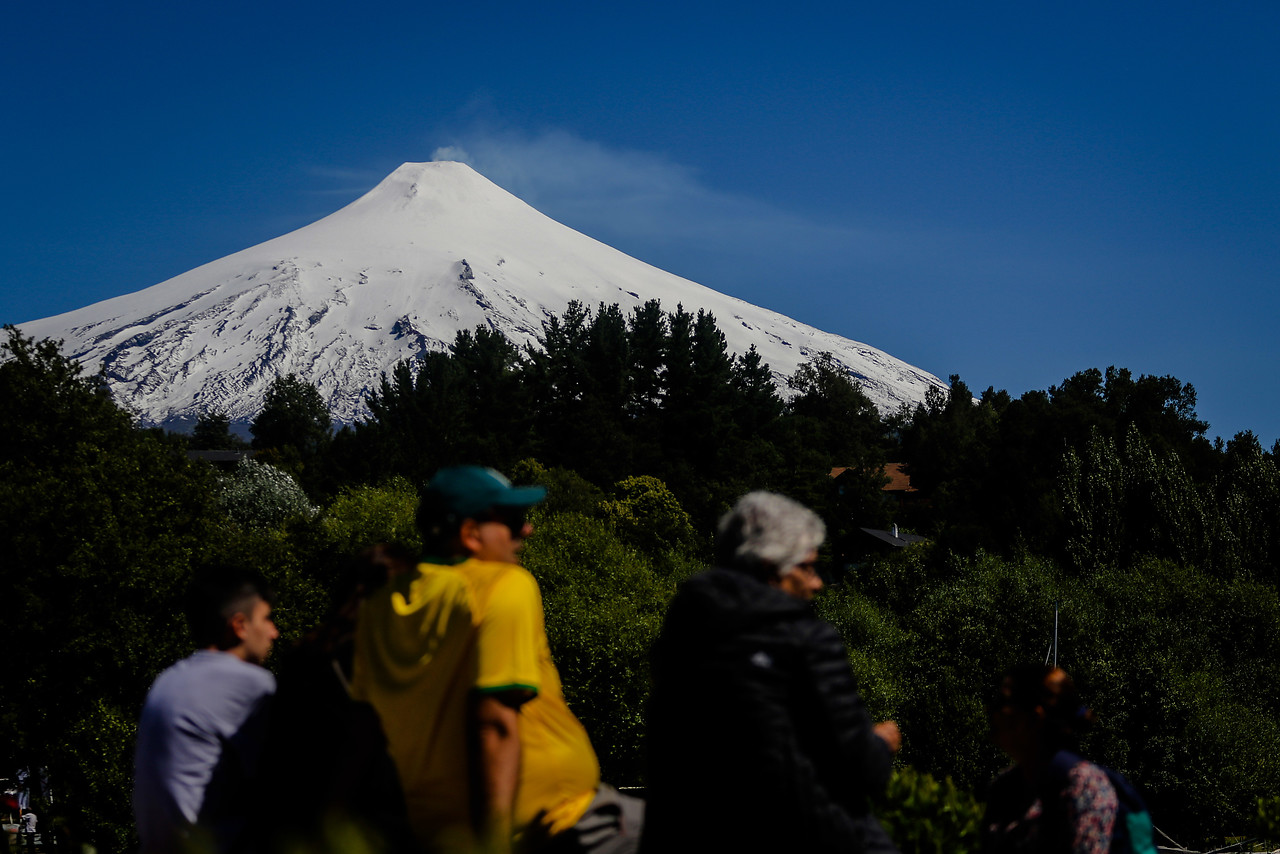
x=439 y=526
x=1027 y=686
x=217 y=594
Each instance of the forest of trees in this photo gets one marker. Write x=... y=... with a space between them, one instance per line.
x=1100 y=496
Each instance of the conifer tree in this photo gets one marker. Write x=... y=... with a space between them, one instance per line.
x=493 y=402
x=212 y=432
x=647 y=346
x=558 y=371
x=417 y=419
x=293 y=415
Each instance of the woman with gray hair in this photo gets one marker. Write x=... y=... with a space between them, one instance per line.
x=773 y=539
x=758 y=740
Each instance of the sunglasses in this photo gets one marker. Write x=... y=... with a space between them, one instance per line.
x=512 y=517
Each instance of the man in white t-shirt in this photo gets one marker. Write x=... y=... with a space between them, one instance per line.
x=202 y=724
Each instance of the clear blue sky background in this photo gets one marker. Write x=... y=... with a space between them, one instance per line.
x=1008 y=191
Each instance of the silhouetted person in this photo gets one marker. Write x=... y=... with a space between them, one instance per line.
x=325 y=767
x=758 y=739
x=1051 y=800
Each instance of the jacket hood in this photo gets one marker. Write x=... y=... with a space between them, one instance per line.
x=719 y=600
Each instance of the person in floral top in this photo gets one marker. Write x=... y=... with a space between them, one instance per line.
x=1051 y=800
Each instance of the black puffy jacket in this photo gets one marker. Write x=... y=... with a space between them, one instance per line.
x=758 y=740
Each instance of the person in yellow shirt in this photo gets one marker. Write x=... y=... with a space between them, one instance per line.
x=454 y=657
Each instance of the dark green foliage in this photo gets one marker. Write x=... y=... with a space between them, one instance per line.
x=1180 y=667
x=213 y=433
x=580 y=371
x=646 y=515
x=468 y=405
x=99 y=524
x=606 y=396
x=361 y=516
x=758 y=406
x=831 y=422
x=647 y=343
x=1183 y=673
x=991 y=469
x=1247 y=493
x=1123 y=501
x=1269 y=817
x=831 y=411
x=924 y=816
x=493 y=400
x=417 y=419
x=293 y=415
x=604 y=603
x=700 y=439
x=567 y=491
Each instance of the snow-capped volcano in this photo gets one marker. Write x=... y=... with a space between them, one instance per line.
x=432 y=249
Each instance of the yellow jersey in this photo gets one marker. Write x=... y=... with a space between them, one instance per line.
x=424 y=644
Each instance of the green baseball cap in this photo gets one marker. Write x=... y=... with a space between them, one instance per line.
x=467 y=491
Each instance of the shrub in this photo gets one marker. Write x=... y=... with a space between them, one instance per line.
x=260 y=496
x=647 y=515
x=361 y=516
x=604 y=606
x=924 y=816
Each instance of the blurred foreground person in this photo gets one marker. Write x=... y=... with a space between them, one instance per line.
x=758 y=739
x=202 y=725
x=454 y=657
x=325 y=768
x=1052 y=801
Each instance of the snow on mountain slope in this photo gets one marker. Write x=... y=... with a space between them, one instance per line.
x=434 y=248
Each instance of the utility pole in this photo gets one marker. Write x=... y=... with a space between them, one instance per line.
x=1055 y=632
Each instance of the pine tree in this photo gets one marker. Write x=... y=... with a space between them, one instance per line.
x=212 y=432
x=293 y=415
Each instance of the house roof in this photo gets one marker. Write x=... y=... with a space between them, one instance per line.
x=900 y=541
x=899 y=480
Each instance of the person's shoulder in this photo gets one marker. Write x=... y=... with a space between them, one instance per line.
x=226 y=670
x=209 y=672
x=482 y=574
x=176 y=678
x=500 y=590
x=427 y=588
x=1068 y=770
x=431 y=581
x=1006 y=780
x=727 y=589
x=1088 y=775
x=492 y=569
x=207 y=676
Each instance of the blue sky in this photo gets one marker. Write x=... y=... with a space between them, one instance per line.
x=1008 y=191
